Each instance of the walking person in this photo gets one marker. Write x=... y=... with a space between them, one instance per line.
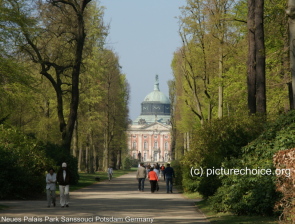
x=148 y=168
x=153 y=177
x=63 y=179
x=162 y=168
x=157 y=171
x=168 y=176
x=110 y=173
x=141 y=175
x=157 y=166
x=50 y=187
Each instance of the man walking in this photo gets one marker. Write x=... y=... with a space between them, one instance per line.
x=162 y=168
x=168 y=176
x=63 y=179
x=110 y=173
x=141 y=175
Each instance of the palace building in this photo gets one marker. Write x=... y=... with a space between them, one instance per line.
x=149 y=138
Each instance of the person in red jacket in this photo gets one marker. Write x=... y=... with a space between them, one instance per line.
x=153 y=177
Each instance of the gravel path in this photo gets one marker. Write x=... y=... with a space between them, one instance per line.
x=115 y=201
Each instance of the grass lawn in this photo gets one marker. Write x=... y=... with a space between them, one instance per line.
x=228 y=218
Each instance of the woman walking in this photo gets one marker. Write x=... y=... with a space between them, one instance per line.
x=50 y=187
x=153 y=177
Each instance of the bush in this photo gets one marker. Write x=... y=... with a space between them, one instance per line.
x=212 y=144
x=59 y=155
x=256 y=194
x=127 y=162
x=245 y=195
x=23 y=164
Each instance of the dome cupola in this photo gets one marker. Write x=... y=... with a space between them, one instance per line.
x=155 y=103
x=155 y=107
x=156 y=95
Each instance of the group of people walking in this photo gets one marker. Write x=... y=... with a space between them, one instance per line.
x=153 y=173
x=63 y=178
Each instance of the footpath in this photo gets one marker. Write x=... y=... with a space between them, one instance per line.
x=115 y=201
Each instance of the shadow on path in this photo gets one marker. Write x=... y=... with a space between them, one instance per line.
x=115 y=201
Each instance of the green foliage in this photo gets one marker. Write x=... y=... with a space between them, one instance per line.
x=178 y=170
x=29 y=93
x=23 y=165
x=129 y=161
x=255 y=194
x=246 y=195
x=59 y=155
x=229 y=218
x=214 y=143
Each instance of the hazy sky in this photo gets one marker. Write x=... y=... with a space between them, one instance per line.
x=144 y=34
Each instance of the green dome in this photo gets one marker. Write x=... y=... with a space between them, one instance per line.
x=157 y=95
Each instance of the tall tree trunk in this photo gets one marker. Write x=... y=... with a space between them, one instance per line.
x=95 y=162
x=75 y=141
x=251 y=64
x=91 y=153
x=291 y=15
x=260 y=58
x=87 y=158
x=106 y=151
x=80 y=35
x=80 y=160
x=220 y=87
x=118 y=165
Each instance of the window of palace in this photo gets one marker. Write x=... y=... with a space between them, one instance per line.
x=156 y=145
x=134 y=145
x=166 y=145
x=145 y=145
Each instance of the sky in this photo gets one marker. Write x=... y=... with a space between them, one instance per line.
x=144 y=34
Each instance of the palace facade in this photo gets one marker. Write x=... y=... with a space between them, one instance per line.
x=149 y=138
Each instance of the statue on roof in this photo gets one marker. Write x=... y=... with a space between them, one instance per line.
x=156 y=86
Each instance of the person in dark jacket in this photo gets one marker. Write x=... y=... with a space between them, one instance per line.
x=168 y=176
x=63 y=178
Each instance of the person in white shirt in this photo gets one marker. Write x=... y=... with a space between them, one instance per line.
x=157 y=171
x=50 y=187
x=110 y=173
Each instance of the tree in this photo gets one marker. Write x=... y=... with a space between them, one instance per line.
x=291 y=15
x=103 y=112
x=260 y=57
x=218 y=11
x=256 y=58
x=57 y=47
x=114 y=112
x=207 y=35
x=251 y=72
